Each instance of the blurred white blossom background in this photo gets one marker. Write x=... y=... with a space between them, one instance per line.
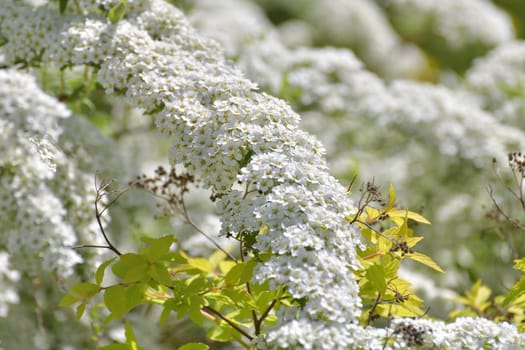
x=420 y=94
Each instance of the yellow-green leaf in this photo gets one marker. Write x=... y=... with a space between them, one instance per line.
x=391 y=199
x=200 y=264
x=399 y=215
x=519 y=264
x=115 y=300
x=376 y=276
x=412 y=241
x=117 y=12
x=425 y=260
x=80 y=292
x=194 y=346
x=131 y=340
x=517 y=289
x=99 y=275
x=372 y=212
x=80 y=310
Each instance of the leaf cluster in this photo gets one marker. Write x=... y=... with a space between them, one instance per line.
x=216 y=293
x=388 y=241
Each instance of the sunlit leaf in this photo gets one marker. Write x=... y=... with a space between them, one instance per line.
x=516 y=290
x=200 y=264
x=376 y=276
x=391 y=199
x=80 y=310
x=131 y=340
x=99 y=275
x=398 y=216
x=158 y=247
x=117 y=12
x=425 y=260
x=80 y=292
x=194 y=346
x=115 y=300
x=221 y=333
x=519 y=264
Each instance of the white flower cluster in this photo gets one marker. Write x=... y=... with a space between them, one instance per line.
x=221 y=20
x=499 y=80
x=34 y=231
x=220 y=124
x=451 y=121
x=334 y=82
x=464 y=333
x=459 y=23
x=47 y=165
x=358 y=24
x=226 y=132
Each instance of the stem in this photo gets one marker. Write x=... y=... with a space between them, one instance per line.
x=91 y=246
x=228 y=321
x=257 y=324
x=190 y=222
x=98 y=215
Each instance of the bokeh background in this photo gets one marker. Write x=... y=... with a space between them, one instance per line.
x=420 y=94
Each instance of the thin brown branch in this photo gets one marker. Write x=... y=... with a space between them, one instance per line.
x=91 y=246
x=99 y=195
x=263 y=316
x=190 y=222
x=228 y=321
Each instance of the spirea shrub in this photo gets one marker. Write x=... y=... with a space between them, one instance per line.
x=433 y=137
x=309 y=256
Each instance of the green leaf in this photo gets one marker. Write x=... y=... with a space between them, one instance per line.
x=398 y=215
x=135 y=295
x=196 y=284
x=391 y=199
x=240 y=273
x=425 y=260
x=131 y=268
x=226 y=265
x=160 y=274
x=519 y=264
x=239 y=298
x=115 y=300
x=68 y=300
x=99 y=275
x=376 y=275
x=80 y=292
x=200 y=264
x=194 y=346
x=216 y=258
x=166 y=311
x=196 y=302
x=220 y=333
x=516 y=290
x=158 y=247
x=246 y=158
x=80 y=310
x=63 y=5
x=131 y=340
x=117 y=12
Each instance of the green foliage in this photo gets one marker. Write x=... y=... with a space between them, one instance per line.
x=62 y=5
x=215 y=293
x=194 y=346
x=389 y=241
x=117 y=12
x=478 y=302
